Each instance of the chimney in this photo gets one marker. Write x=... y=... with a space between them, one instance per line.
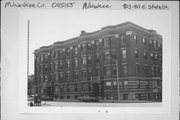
x=83 y=32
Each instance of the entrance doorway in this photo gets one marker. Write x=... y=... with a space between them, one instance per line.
x=95 y=89
x=49 y=91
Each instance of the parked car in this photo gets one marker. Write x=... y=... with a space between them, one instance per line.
x=88 y=99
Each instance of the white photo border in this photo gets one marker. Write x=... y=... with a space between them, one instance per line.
x=167 y=108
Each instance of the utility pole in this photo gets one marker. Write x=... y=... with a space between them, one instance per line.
x=28 y=50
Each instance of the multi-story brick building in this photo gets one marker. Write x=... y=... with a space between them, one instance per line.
x=87 y=65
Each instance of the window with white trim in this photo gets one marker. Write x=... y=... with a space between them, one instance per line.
x=124 y=54
x=84 y=60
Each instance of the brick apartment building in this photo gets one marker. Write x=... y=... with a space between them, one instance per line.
x=87 y=65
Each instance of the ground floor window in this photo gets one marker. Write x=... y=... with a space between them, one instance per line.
x=76 y=97
x=56 y=96
x=68 y=97
x=125 y=96
x=61 y=97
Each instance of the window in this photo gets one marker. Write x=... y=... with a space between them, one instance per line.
x=136 y=54
x=107 y=71
x=40 y=68
x=113 y=54
x=113 y=41
x=60 y=64
x=68 y=97
x=52 y=55
x=124 y=68
x=158 y=70
x=75 y=62
x=56 y=54
x=46 y=56
x=159 y=46
x=85 y=87
x=75 y=50
x=84 y=60
x=76 y=74
x=52 y=67
x=67 y=75
x=155 y=71
x=137 y=68
x=97 y=58
x=114 y=83
x=152 y=56
x=96 y=44
x=114 y=70
x=83 y=47
x=61 y=75
x=68 y=63
x=155 y=56
x=84 y=74
x=37 y=59
x=124 y=54
x=145 y=55
x=76 y=96
x=67 y=88
x=152 y=70
x=45 y=67
x=52 y=77
x=71 y=87
x=106 y=42
x=160 y=58
x=60 y=53
x=46 y=78
x=155 y=44
x=89 y=46
x=75 y=87
x=67 y=51
x=135 y=38
x=57 y=77
x=122 y=39
x=41 y=56
x=41 y=80
x=56 y=65
x=150 y=43
x=61 y=88
x=108 y=83
x=125 y=96
x=37 y=69
x=106 y=55
x=144 y=41
x=56 y=89
x=146 y=69
x=97 y=72
x=89 y=59
x=89 y=73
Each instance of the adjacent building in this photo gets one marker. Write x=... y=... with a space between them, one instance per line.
x=93 y=64
x=31 y=86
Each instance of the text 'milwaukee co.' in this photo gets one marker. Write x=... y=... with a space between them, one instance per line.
x=85 y=5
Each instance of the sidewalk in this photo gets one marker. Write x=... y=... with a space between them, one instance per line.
x=97 y=104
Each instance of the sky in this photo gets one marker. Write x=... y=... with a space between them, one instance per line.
x=49 y=26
